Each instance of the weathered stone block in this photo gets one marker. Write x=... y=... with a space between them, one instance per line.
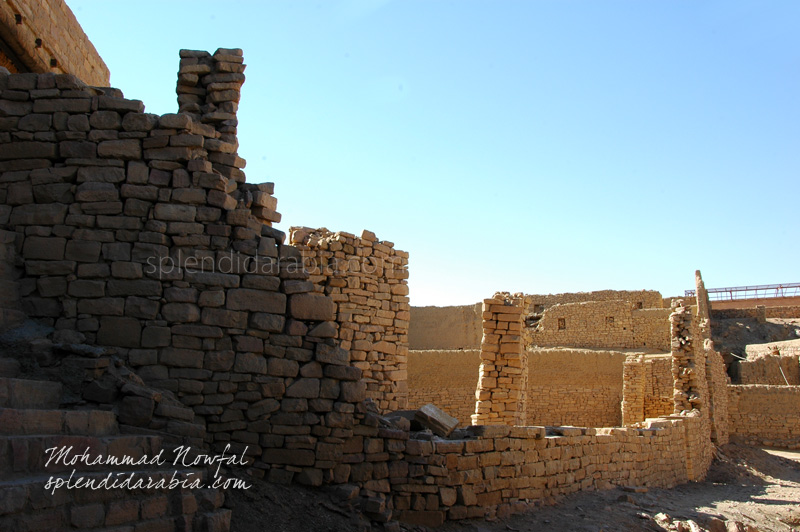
x=250 y=363
x=312 y=307
x=256 y=300
x=83 y=250
x=119 y=331
x=45 y=248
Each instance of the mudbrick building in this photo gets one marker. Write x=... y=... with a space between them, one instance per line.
x=148 y=303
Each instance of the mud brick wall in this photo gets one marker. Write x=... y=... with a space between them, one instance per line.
x=771 y=369
x=368 y=281
x=537 y=303
x=46 y=37
x=503 y=373
x=765 y=415
x=574 y=387
x=446 y=328
x=446 y=378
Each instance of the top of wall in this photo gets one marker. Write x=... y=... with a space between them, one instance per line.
x=637 y=298
x=457 y=327
x=44 y=36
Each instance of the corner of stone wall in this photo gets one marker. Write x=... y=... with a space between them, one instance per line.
x=368 y=280
x=633 y=392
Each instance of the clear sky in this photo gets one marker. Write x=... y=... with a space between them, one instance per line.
x=511 y=145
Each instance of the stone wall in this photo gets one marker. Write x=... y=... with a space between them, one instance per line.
x=44 y=36
x=638 y=299
x=600 y=324
x=367 y=280
x=446 y=378
x=493 y=470
x=785 y=312
x=658 y=386
x=647 y=388
x=765 y=415
x=771 y=369
x=445 y=327
x=723 y=304
x=574 y=387
x=138 y=233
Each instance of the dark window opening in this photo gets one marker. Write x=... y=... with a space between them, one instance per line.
x=562 y=324
x=610 y=320
x=639 y=304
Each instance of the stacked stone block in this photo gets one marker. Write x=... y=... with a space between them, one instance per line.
x=502 y=377
x=368 y=280
x=648 y=388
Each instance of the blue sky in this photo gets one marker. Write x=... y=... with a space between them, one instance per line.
x=511 y=145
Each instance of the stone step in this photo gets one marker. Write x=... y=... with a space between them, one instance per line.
x=30 y=505
x=9 y=367
x=26 y=455
x=24 y=393
x=15 y=421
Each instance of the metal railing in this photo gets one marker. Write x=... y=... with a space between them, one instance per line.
x=764 y=291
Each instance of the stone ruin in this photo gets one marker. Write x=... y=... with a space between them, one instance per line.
x=148 y=303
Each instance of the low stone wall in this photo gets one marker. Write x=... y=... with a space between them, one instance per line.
x=575 y=387
x=445 y=327
x=492 y=470
x=446 y=378
x=46 y=37
x=765 y=415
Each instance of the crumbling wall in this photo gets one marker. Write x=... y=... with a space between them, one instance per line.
x=456 y=327
x=44 y=36
x=446 y=378
x=715 y=373
x=765 y=415
x=367 y=279
x=138 y=232
x=574 y=387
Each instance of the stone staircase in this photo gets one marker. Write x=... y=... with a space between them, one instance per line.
x=33 y=421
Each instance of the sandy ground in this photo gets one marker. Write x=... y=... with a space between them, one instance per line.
x=759 y=489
